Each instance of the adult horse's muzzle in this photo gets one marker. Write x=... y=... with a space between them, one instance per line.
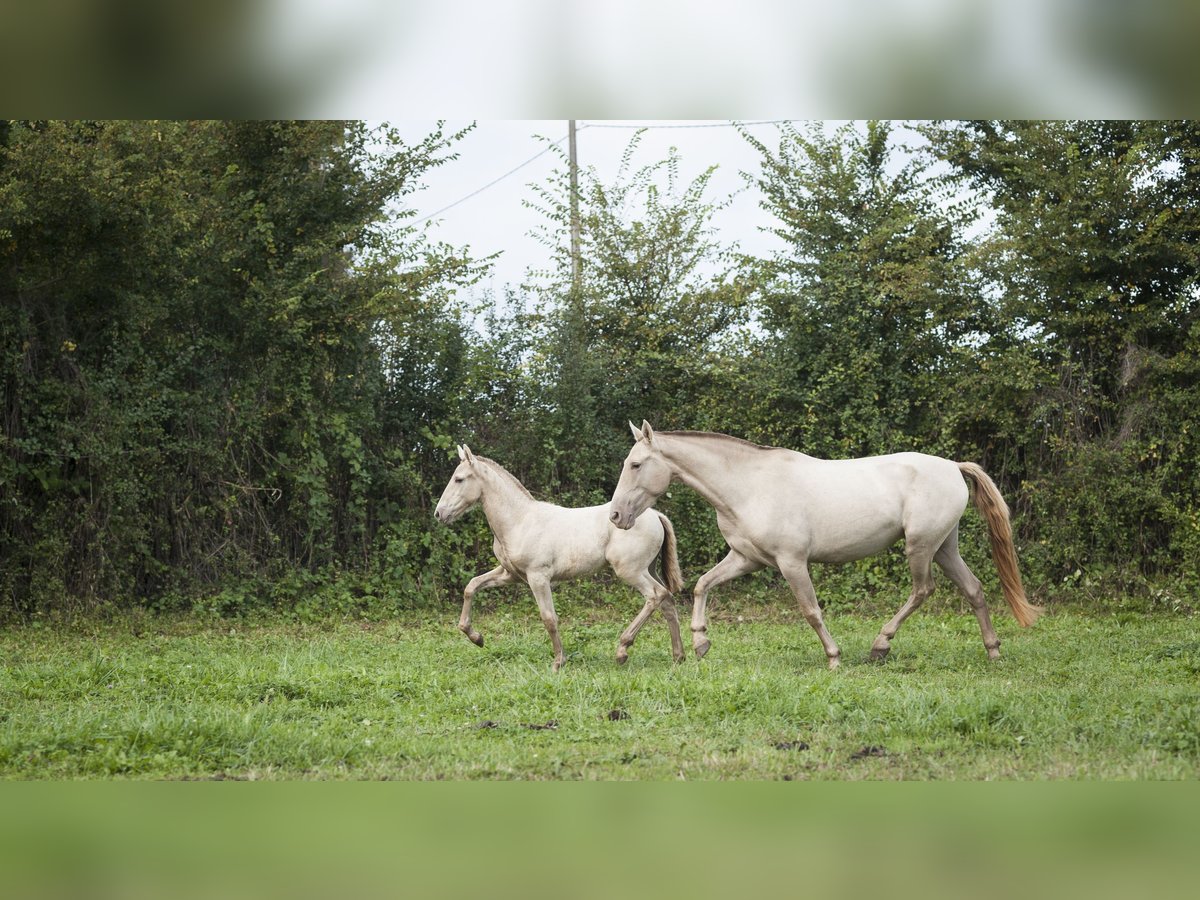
x=623 y=515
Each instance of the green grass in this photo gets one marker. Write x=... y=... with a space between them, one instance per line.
x=1078 y=696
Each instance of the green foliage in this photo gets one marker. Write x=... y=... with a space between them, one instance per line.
x=869 y=302
x=195 y=385
x=1092 y=265
x=233 y=375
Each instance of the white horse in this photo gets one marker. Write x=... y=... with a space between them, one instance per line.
x=540 y=544
x=783 y=509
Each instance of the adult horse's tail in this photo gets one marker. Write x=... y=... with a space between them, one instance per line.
x=995 y=511
x=668 y=560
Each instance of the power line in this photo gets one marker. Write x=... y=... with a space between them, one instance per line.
x=732 y=123
x=494 y=181
x=728 y=124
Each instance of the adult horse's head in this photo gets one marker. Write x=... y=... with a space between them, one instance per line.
x=463 y=490
x=644 y=478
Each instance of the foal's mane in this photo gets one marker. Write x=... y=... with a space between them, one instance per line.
x=496 y=467
x=717 y=436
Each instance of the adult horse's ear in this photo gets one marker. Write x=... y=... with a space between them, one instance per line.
x=637 y=432
x=647 y=431
x=468 y=456
x=461 y=453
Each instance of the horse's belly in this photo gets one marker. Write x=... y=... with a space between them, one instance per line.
x=850 y=547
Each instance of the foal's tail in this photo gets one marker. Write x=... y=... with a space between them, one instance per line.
x=995 y=511
x=668 y=559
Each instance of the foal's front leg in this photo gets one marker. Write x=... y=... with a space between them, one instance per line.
x=497 y=576
x=539 y=583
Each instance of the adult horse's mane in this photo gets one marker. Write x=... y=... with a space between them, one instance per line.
x=718 y=436
x=507 y=474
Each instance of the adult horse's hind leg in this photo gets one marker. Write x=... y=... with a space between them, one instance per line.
x=498 y=575
x=956 y=570
x=733 y=565
x=798 y=579
x=919 y=559
x=657 y=597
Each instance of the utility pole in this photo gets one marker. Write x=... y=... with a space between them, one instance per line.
x=575 y=282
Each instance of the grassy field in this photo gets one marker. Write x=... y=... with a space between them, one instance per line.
x=1078 y=696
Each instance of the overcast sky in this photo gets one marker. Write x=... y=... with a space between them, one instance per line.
x=495 y=220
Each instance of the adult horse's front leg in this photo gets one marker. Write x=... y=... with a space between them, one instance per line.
x=727 y=569
x=539 y=583
x=796 y=573
x=498 y=575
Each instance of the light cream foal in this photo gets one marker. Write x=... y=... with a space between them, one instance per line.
x=541 y=544
x=779 y=508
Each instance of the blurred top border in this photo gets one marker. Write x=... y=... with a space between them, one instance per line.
x=625 y=59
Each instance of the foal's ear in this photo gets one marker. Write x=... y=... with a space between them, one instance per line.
x=647 y=431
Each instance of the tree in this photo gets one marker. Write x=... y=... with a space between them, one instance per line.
x=1093 y=263
x=658 y=296
x=193 y=319
x=869 y=306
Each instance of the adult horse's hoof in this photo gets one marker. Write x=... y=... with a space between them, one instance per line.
x=622 y=656
x=702 y=648
x=879 y=654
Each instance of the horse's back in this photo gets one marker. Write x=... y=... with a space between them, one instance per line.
x=841 y=510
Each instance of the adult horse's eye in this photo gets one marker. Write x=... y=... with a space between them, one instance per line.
x=635 y=465
x=457 y=480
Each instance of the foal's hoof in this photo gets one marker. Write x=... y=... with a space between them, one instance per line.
x=702 y=648
x=993 y=652
x=558 y=664
x=474 y=637
x=622 y=656
x=879 y=654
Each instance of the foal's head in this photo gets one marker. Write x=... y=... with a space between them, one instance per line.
x=644 y=478
x=464 y=489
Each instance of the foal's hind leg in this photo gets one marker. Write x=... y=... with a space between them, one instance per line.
x=956 y=570
x=498 y=575
x=657 y=597
x=919 y=559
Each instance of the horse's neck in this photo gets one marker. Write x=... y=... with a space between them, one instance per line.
x=712 y=467
x=504 y=503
